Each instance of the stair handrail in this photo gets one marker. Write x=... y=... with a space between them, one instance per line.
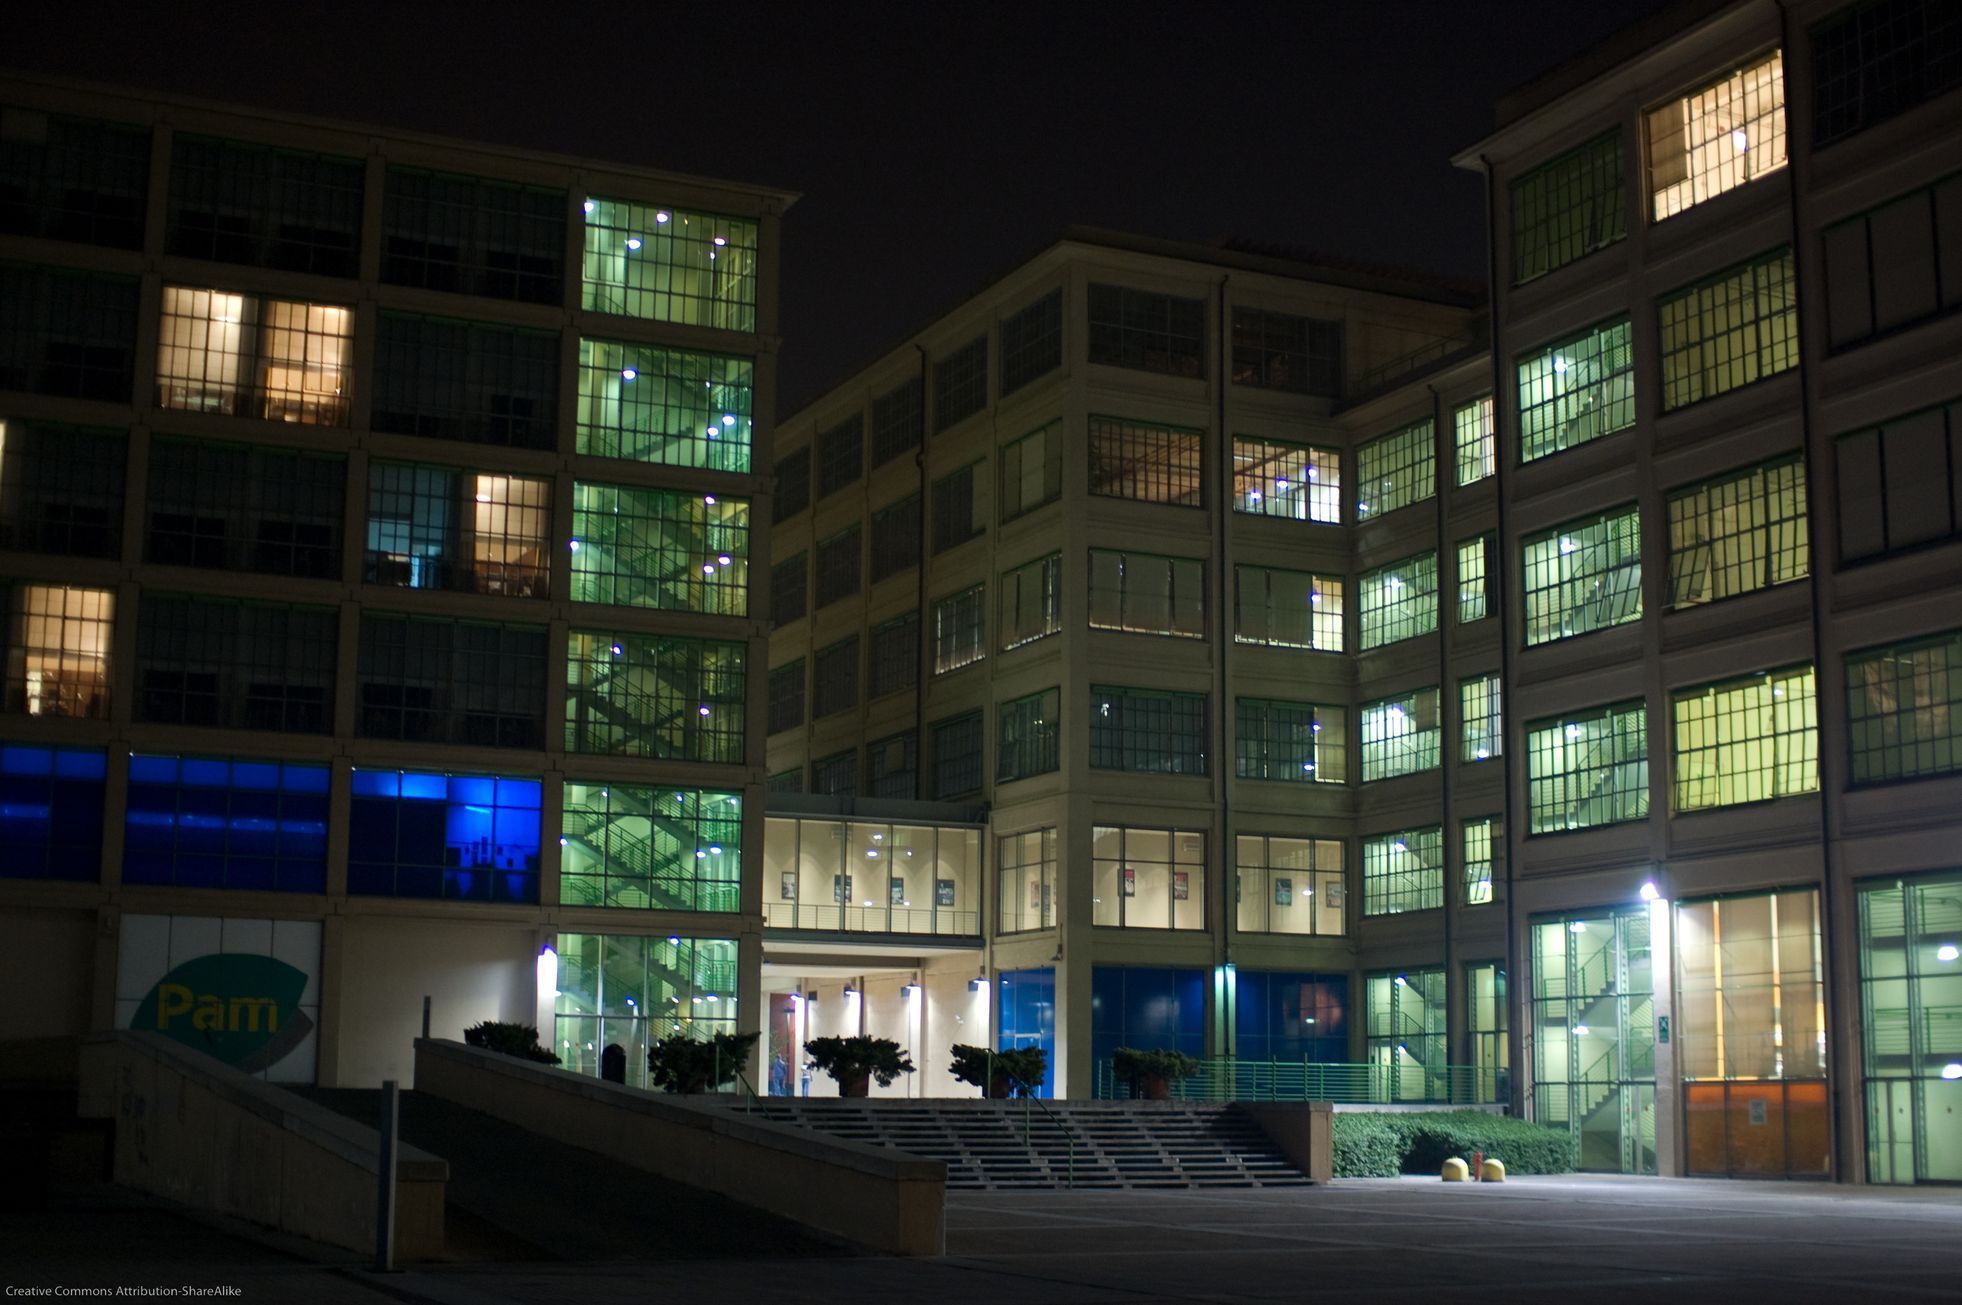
x=1029 y=1101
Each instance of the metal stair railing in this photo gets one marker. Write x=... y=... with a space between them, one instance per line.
x=1029 y=1102
x=1230 y=1078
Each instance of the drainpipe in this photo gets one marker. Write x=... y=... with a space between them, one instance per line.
x=922 y=669
x=1447 y=629
x=1224 y=1040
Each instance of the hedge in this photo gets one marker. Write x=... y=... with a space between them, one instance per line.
x=1382 y=1144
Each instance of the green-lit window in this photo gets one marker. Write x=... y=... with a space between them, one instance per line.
x=1401 y=735
x=1149 y=463
x=960 y=630
x=1477 y=444
x=1026 y=742
x=647 y=695
x=960 y=384
x=1576 y=390
x=1406 y=1022
x=1398 y=601
x=1484 y=840
x=1485 y=1022
x=1588 y=769
x=1744 y=532
x=1026 y=865
x=1910 y=1006
x=1566 y=209
x=1147 y=331
x=1717 y=137
x=1737 y=327
x=1583 y=576
x=1484 y=723
x=786 y=697
x=1475 y=578
x=1148 y=878
x=1291 y=742
x=647 y=403
x=1287 y=609
x=1291 y=481
x=1897 y=488
x=1145 y=594
x=1147 y=731
x=661 y=548
x=1396 y=470
x=1403 y=871
x=1593 y=1036
x=1746 y=740
x=1290 y=885
x=1032 y=471
x=1904 y=709
x=667 y=265
x=1283 y=351
x=1032 y=601
x=666 y=849
x=631 y=991
x=1031 y=342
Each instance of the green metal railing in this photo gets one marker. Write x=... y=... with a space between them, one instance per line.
x=1232 y=1079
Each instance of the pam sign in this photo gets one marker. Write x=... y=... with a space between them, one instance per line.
x=244 y=1009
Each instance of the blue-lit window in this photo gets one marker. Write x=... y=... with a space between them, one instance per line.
x=51 y=813
x=198 y=822
x=464 y=837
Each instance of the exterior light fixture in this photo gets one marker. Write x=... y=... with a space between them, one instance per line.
x=1649 y=891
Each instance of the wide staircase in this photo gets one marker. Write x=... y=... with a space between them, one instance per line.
x=1005 y=1145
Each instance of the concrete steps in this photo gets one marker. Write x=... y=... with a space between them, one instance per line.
x=1003 y=1145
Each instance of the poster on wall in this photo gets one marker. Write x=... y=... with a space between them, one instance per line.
x=943 y=892
x=1181 y=886
x=896 y=891
x=1130 y=882
x=787 y=890
x=841 y=888
x=1284 y=892
x=244 y=991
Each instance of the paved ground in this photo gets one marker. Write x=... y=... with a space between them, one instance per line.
x=1596 y=1240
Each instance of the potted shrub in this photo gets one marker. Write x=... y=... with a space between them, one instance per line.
x=695 y=1065
x=1151 y=1073
x=1016 y=1072
x=855 y=1062
x=509 y=1039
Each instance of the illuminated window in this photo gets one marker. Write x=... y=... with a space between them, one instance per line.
x=470 y=838
x=1031 y=342
x=632 y=991
x=1751 y=1003
x=1397 y=470
x=1287 y=609
x=1148 y=878
x=672 y=407
x=1576 y=391
x=1484 y=725
x=439 y=528
x=1026 y=866
x=1486 y=1023
x=1403 y=871
x=58 y=651
x=1568 y=208
x=896 y=421
x=212 y=661
x=1744 y=532
x=472 y=235
x=1032 y=601
x=1144 y=594
x=234 y=202
x=1477 y=445
x=957 y=513
x=1028 y=737
x=74 y=178
x=1153 y=464
x=1406 y=1024
x=1717 y=138
x=666 y=265
x=658 y=696
x=840 y=455
x=1290 y=742
x=1904 y=709
x=1475 y=578
x=1588 y=769
x=960 y=384
x=67 y=333
x=1895 y=265
x=1583 y=576
x=444 y=681
x=1737 y=327
x=834 y=678
x=1290 y=885
x=663 y=549
x=1280 y=351
x=786 y=697
x=195 y=822
x=957 y=756
x=960 y=630
x=1032 y=471
x=641 y=848
x=1874 y=61
x=1290 y=481
x=839 y=562
x=61 y=489
x=1147 y=331
x=51 y=812
x=895 y=655
x=1148 y=731
x=1746 y=740
x=1398 y=601
x=254 y=356
x=1484 y=842
x=1401 y=735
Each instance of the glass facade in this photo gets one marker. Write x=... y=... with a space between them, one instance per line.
x=441 y=528
x=1289 y=885
x=1147 y=331
x=1146 y=1006
x=1717 y=138
x=649 y=403
x=1291 y=1016
x=666 y=265
x=1283 y=351
x=660 y=696
x=1583 y=576
x=631 y=992
x=1567 y=208
x=1148 y=731
x=1149 y=463
x=1292 y=481
x=1894 y=266
x=1287 y=742
x=1474 y=438
x=1480 y=718
x=196 y=822
x=468 y=381
x=1032 y=471
x=1032 y=601
x=1029 y=736
x=1737 y=327
x=1589 y=769
x=470 y=838
x=1025 y=869
x=235 y=202
x=51 y=812
x=1483 y=844
x=442 y=681
x=960 y=629
x=244 y=507
x=1896 y=486
x=58 y=645
x=861 y=876
x=1475 y=568
x=67 y=333
x=1576 y=390
x=1747 y=740
x=661 y=548
x=1738 y=534
x=1485 y=1024
x=1401 y=735
x=1594 y=1035
x=1397 y=470
x=213 y=661
x=254 y=356
x=1911 y=1015
x=1142 y=593
x=1403 y=871
x=78 y=179
x=1406 y=1030
x=1398 y=601
x=1148 y=878
x=1904 y=709
x=643 y=848
x=473 y=235
x=61 y=489
x=960 y=384
x=1031 y=342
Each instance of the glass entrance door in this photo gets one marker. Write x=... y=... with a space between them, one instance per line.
x=1594 y=1035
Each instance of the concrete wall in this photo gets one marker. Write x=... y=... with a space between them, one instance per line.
x=47 y=959
x=1303 y=1131
x=868 y=1195
x=198 y=1132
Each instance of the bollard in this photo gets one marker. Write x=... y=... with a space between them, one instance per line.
x=1492 y=1171
x=385 y=1179
x=1455 y=1170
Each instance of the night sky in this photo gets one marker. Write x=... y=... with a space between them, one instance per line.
x=934 y=146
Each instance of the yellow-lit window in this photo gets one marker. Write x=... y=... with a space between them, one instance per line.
x=1746 y=741
x=58 y=651
x=1717 y=138
x=250 y=356
x=511 y=517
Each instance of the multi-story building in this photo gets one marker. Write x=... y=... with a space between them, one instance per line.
x=376 y=518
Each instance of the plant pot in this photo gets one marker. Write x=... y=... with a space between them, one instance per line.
x=856 y=1085
x=1155 y=1089
x=1000 y=1088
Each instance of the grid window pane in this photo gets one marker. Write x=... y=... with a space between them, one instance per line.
x=960 y=384
x=959 y=630
x=1147 y=730
x=1031 y=342
x=233 y=202
x=1290 y=885
x=255 y=666
x=245 y=507
x=1403 y=871
x=839 y=563
x=1290 y=742
x=661 y=548
x=1576 y=390
x=1280 y=351
x=1401 y=735
x=1588 y=769
x=1032 y=601
x=1291 y=481
x=1026 y=866
x=1729 y=331
x=58 y=642
x=840 y=455
x=791 y=483
x=1287 y=609
x=1583 y=576
x=471 y=838
x=1567 y=208
x=1144 y=594
x=785 y=781
x=1904 y=709
x=254 y=356
x=1146 y=331
x=472 y=235
x=786 y=697
x=1148 y=878
x=957 y=514
x=788 y=589
x=1153 y=464
x=1747 y=740
x=659 y=696
x=1032 y=471
x=896 y=538
x=836 y=775
x=61 y=489
x=892 y=767
x=895 y=655
x=641 y=848
x=1484 y=723
x=1874 y=61
x=1397 y=470
x=1475 y=578
x=79 y=179
x=1027 y=741
x=1484 y=840
x=1717 y=138
x=441 y=528
x=1406 y=1022
x=194 y=822
x=1477 y=444
x=896 y=421
x=665 y=265
x=834 y=678
x=444 y=681
x=1900 y=483
x=51 y=812
x=957 y=756
x=451 y=380
x=71 y=334
x=672 y=407
x=1744 y=532
x=1399 y=601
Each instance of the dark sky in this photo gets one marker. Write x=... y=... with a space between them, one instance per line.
x=934 y=145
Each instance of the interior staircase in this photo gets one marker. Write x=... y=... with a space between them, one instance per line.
x=1007 y=1145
